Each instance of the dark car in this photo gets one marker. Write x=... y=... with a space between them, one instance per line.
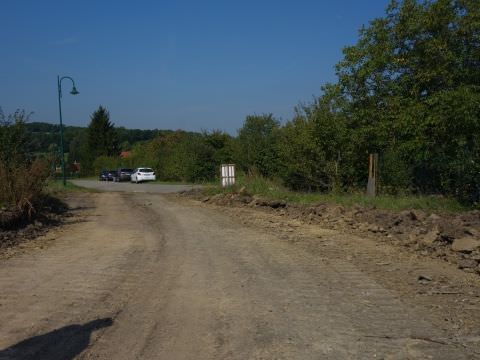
x=123 y=174
x=107 y=175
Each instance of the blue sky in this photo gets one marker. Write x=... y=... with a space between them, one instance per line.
x=173 y=64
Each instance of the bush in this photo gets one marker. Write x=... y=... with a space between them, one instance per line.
x=106 y=163
x=257 y=144
x=184 y=156
x=21 y=186
x=22 y=178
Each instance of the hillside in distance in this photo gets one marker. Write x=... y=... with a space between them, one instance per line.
x=43 y=135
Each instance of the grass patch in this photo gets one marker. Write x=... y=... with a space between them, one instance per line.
x=256 y=185
x=86 y=178
x=168 y=182
x=56 y=187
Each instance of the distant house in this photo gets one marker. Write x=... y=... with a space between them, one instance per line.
x=75 y=167
x=125 y=154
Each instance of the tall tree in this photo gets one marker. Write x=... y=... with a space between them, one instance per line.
x=101 y=135
x=257 y=142
x=412 y=88
x=314 y=150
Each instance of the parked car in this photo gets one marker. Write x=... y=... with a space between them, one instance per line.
x=107 y=175
x=123 y=174
x=142 y=174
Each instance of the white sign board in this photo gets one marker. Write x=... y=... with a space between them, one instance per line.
x=227 y=172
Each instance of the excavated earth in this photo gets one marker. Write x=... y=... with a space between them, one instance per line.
x=454 y=238
x=16 y=227
x=154 y=276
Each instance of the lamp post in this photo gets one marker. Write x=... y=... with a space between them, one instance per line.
x=73 y=92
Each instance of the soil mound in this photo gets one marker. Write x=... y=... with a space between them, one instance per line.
x=452 y=237
x=16 y=226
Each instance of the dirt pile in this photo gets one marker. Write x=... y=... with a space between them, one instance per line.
x=15 y=227
x=451 y=237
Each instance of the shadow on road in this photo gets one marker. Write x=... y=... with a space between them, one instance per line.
x=60 y=344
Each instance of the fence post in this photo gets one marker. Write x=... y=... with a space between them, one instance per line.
x=372 y=175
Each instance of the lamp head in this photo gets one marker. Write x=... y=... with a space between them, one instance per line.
x=74 y=91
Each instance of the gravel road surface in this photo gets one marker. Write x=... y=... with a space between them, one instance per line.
x=149 y=276
x=132 y=187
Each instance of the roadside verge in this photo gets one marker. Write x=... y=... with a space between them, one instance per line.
x=453 y=237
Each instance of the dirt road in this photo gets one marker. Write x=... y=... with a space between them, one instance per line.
x=134 y=188
x=137 y=276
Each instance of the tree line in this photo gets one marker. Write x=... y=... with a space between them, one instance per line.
x=409 y=90
x=43 y=135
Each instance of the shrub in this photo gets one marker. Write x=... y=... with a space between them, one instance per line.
x=106 y=163
x=22 y=178
x=21 y=186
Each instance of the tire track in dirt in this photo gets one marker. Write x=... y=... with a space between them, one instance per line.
x=177 y=281
x=87 y=274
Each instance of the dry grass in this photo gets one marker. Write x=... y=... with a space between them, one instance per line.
x=21 y=186
x=257 y=185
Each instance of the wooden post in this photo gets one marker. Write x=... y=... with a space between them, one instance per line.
x=372 y=175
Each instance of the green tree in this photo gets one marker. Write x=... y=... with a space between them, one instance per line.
x=411 y=93
x=76 y=150
x=101 y=138
x=22 y=176
x=106 y=163
x=314 y=151
x=185 y=156
x=14 y=139
x=257 y=144
x=222 y=145
x=101 y=135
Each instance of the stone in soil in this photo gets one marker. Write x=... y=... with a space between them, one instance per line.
x=465 y=244
x=467 y=264
x=429 y=238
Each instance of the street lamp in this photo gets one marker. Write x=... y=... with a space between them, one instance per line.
x=73 y=92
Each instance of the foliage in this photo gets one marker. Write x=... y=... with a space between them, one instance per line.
x=132 y=136
x=184 y=156
x=13 y=139
x=313 y=149
x=57 y=188
x=101 y=134
x=411 y=91
x=101 y=139
x=106 y=163
x=22 y=177
x=257 y=185
x=42 y=135
x=222 y=145
x=256 y=144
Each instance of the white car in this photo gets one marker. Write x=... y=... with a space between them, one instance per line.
x=142 y=174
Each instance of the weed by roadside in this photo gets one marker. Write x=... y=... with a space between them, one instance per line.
x=164 y=182
x=260 y=186
x=56 y=187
